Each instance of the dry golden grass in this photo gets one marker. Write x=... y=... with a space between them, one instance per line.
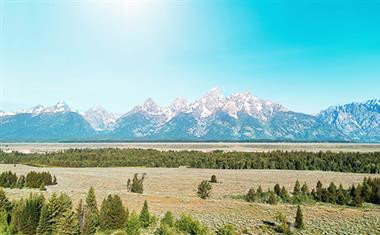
x=175 y=189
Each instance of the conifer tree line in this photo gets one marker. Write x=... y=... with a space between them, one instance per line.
x=293 y=160
x=368 y=191
x=33 y=179
x=56 y=215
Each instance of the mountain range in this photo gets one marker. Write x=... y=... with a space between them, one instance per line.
x=213 y=117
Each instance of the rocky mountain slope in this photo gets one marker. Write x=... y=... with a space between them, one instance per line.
x=213 y=117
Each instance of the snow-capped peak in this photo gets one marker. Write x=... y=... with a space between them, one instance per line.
x=99 y=118
x=60 y=107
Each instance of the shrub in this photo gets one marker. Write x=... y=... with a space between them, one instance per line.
x=227 y=229
x=188 y=225
x=204 y=189
x=137 y=184
x=213 y=179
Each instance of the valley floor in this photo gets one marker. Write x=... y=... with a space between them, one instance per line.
x=196 y=146
x=175 y=189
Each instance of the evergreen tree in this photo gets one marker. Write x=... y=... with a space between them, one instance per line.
x=168 y=219
x=42 y=187
x=67 y=224
x=204 y=189
x=259 y=191
x=227 y=229
x=5 y=228
x=91 y=201
x=165 y=229
x=5 y=204
x=112 y=213
x=299 y=224
x=20 y=182
x=251 y=195
x=91 y=223
x=297 y=188
x=79 y=211
x=284 y=194
x=272 y=198
x=26 y=214
x=318 y=191
x=325 y=195
x=341 y=197
x=188 y=225
x=331 y=193
x=137 y=184
x=144 y=215
x=56 y=207
x=277 y=189
x=355 y=196
x=305 y=190
x=44 y=226
x=366 y=193
x=133 y=224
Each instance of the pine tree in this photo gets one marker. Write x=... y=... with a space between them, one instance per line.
x=331 y=193
x=272 y=198
x=284 y=194
x=144 y=215
x=44 y=226
x=91 y=201
x=168 y=219
x=259 y=191
x=204 y=189
x=20 y=182
x=299 y=224
x=137 y=184
x=341 y=198
x=355 y=196
x=79 y=211
x=227 y=229
x=52 y=212
x=318 y=192
x=5 y=204
x=26 y=214
x=133 y=225
x=297 y=188
x=91 y=223
x=42 y=187
x=277 y=189
x=67 y=224
x=251 y=195
x=366 y=191
x=305 y=190
x=112 y=213
x=5 y=228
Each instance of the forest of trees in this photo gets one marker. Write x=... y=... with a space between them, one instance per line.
x=294 y=160
x=56 y=215
x=33 y=179
x=37 y=215
x=355 y=195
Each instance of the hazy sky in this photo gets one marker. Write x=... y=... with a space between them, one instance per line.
x=118 y=53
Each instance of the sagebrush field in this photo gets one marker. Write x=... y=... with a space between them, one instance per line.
x=175 y=189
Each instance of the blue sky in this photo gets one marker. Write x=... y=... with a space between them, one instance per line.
x=305 y=56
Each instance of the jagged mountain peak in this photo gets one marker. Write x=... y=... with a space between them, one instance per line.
x=59 y=107
x=99 y=118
